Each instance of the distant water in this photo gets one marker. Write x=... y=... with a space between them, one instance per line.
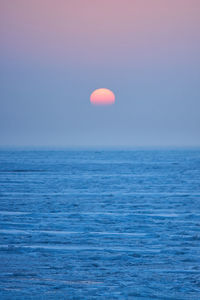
x=100 y=224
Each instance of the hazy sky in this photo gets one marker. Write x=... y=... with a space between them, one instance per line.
x=54 y=53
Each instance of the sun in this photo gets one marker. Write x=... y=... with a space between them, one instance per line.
x=102 y=96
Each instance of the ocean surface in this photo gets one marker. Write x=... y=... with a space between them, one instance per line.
x=100 y=224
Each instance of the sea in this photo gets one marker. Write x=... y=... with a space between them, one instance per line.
x=100 y=224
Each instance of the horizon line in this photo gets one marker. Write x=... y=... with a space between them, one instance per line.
x=99 y=147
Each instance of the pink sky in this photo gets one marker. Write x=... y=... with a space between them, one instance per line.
x=109 y=31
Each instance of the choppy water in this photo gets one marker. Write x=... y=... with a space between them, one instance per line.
x=100 y=224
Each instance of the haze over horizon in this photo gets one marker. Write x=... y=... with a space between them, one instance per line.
x=54 y=54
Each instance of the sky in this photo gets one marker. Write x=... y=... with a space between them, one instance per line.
x=55 y=53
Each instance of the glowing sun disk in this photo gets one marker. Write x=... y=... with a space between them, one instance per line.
x=102 y=96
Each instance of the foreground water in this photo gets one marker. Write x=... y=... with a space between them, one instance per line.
x=100 y=224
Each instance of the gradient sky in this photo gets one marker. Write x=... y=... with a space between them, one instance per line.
x=54 y=53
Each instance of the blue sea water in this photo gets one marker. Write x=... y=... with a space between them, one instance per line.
x=100 y=224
